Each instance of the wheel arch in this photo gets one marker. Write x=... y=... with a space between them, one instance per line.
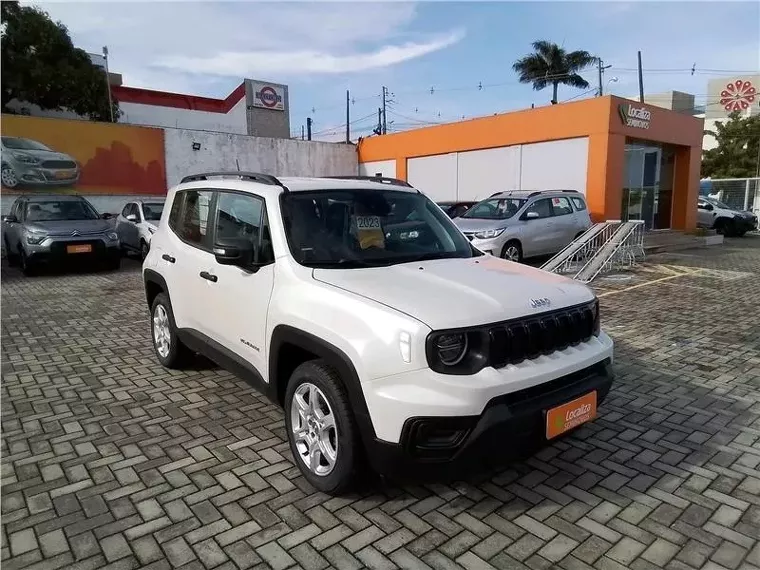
x=154 y=284
x=289 y=347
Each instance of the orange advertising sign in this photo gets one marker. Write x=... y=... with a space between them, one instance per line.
x=570 y=415
x=84 y=157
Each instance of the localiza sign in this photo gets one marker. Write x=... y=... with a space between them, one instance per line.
x=268 y=96
x=633 y=116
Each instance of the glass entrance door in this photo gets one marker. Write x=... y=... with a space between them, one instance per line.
x=648 y=184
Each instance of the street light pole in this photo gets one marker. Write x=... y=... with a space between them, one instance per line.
x=108 y=83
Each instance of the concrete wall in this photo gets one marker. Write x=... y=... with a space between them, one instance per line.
x=152 y=115
x=383 y=167
x=284 y=157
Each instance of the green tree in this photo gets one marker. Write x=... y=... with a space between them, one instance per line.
x=738 y=152
x=549 y=64
x=40 y=65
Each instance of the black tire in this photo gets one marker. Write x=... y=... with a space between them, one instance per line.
x=724 y=227
x=326 y=378
x=27 y=268
x=513 y=243
x=741 y=233
x=144 y=249
x=178 y=354
x=12 y=257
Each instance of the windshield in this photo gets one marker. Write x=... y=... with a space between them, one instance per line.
x=495 y=209
x=59 y=210
x=717 y=203
x=152 y=212
x=23 y=144
x=363 y=228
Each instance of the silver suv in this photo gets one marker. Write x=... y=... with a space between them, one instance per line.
x=520 y=224
x=47 y=228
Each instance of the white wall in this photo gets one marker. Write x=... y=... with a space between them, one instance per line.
x=435 y=176
x=150 y=115
x=386 y=168
x=555 y=165
x=474 y=175
x=483 y=172
x=283 y=157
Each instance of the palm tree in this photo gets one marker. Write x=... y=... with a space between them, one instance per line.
x=551 y=64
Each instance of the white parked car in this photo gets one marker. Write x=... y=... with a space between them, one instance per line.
x=362 y=310
x=519 y=224
x=136 y=225
x=714 y=214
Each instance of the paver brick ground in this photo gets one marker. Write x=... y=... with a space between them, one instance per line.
x=110 y=460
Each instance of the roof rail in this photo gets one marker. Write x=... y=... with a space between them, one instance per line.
x=380 y=179
x=251 y=176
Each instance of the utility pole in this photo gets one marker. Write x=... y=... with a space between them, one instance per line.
x=302 y=135
x=378 y=130
x=108 y=83
x=308 y=128
x=601 y=68
x=641 y=81
x=385 y=123
x=348 y=117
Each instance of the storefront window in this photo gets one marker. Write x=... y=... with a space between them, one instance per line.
x=648 y=183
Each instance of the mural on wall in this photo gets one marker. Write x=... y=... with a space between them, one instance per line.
x=57 y=155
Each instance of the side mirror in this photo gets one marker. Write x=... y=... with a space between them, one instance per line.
x=131 y=218
x=531 y=216
x=234 y=251
x=10 y=219
x=708 y=207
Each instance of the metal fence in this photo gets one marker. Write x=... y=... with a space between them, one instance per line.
x=739 y=193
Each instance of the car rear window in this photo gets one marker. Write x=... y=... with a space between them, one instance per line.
x=579 y=204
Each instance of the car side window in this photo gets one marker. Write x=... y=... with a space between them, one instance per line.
x=174 y=214
x=579 y=204
x=542 y=207
x=243 y=216
x=193 y=223
x=16 y=210
x=561 y=206
x=125 y=211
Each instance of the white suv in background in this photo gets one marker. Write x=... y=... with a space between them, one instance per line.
x=520 y=224
x=362 y=310
x=137 y=223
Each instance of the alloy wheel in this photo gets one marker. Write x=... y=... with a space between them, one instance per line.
x=512 y=253
x=9 y=178
x=161 y=332
x=314 y=430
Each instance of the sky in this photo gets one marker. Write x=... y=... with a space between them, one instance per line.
x=441 y=61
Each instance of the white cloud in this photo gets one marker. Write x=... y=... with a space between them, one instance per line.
x=252 y=63
x=197 y=43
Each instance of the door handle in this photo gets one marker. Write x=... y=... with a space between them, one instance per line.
x=209 y=276
x=167 y=257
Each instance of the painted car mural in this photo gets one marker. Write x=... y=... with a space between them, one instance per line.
x=26 y=162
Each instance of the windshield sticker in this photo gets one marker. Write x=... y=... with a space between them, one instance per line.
x=369 y=232
x=555 y=201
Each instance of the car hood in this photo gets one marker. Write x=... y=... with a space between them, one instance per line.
x=451 y=293
x=43 y=154
x=65 y=227
x=479 y=224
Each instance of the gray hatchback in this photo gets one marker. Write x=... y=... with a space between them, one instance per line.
x=519 y=224
x=44 y=229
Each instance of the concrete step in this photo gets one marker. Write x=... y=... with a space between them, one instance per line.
x=671 y=240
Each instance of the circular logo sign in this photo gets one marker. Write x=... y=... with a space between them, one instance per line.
x=268 y=96
x=738 y=95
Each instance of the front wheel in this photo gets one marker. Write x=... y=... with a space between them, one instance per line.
x=12 y=257
x=144 y=248
x=321 y=430
x=170 y=351
x=28 y=268
x=8 y=177
x=512 y=251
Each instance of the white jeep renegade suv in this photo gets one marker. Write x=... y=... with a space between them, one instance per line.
x=362 y=310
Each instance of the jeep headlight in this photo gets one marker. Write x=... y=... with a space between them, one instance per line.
x=488 y=234
x=113 y=236
x=34 y=236
x=451 y=348
x=25 y=158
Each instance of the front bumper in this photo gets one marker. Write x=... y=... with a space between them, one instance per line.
x=491 y=246
x=41 y=176
x=509 y=425
x=745 y=224
x=57 y=250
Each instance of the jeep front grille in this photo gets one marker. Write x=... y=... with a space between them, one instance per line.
x=515 y=341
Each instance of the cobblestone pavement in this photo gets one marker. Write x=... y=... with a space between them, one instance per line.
x=110 y=461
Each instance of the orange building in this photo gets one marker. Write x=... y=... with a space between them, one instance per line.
x=631 y=160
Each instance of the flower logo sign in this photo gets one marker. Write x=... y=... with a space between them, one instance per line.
x=738 y=95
